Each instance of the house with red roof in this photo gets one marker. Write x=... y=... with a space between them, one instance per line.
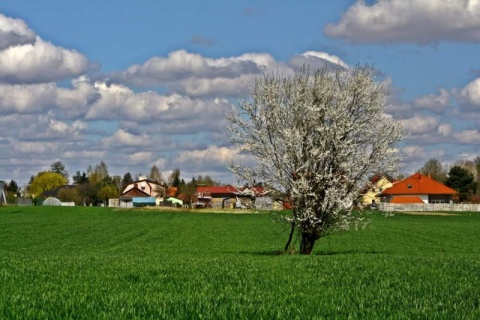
x=418 y=188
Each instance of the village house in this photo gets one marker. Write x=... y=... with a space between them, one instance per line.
x=141 y=193
x=418 y=188
x=228 y=196
x=371 y=195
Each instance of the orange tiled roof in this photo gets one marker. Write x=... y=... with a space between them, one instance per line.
x=406 y=199
x=171 y=191
x=418 y=184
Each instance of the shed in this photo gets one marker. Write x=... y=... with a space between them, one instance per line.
x=175 y=201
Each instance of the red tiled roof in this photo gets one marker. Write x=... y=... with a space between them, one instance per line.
x=406 y=199
x=418 y=184
x=217 y=189
x=171 y=191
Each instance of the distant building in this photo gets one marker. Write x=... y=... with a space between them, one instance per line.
x=418 y=188
x=141 y=192
x=227 y=196
x=372 y=194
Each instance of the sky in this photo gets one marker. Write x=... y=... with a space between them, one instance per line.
x=136 y=83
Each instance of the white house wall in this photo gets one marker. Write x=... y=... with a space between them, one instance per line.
x=424 y=197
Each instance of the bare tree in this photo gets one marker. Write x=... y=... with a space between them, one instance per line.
x=435 y=169
x=317 y=136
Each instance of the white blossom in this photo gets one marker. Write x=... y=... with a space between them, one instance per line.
x=317 y=137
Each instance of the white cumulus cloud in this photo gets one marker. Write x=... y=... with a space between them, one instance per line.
x=411 y=21
x=420 y=124
x=39 y=62
x=14 y=32
x=122 y=138
x=469 y=96
x=437 y=103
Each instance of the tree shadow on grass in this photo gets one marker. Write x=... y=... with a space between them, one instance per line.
x=320 y=253
x=348 y=252
x=13 y=211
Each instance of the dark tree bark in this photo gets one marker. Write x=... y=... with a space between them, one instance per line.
x=290 y=237
x=308 y=241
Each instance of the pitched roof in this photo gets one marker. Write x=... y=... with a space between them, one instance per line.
x=135 y=192
x=170 y=192
x=406 y=199
x=217 y=189
x=418 y=184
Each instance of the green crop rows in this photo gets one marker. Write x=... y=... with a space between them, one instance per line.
x=97 y=263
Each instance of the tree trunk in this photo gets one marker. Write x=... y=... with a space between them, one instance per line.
x=308 y=241
x=290 y=237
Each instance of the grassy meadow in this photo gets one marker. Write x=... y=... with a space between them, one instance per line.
x=100 y=263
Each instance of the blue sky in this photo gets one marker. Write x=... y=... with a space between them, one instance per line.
x=137 y=83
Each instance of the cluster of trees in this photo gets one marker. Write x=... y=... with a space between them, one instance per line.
x=463 y=176
x=12 y=190
x=96 y=185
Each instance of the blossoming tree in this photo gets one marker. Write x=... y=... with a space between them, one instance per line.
x=316 y=136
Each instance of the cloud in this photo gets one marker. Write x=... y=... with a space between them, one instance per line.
x=414 y=21
x=413 y=152
x=469 y=96
x=420 y=124
x=141 y=157
x=118 y=102
x=33 y=147
x=317 y=60
x=26 y=98
x=213 y=157
x=39 y=62
x=14 y=32
x=445 y=129
x=40 y=98
x=122 y=138
x=192 y=74
x=437 y=103
x=468 y=99
x=468 y=136
x=84 y=154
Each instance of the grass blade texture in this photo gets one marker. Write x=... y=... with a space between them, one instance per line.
x=99 y=263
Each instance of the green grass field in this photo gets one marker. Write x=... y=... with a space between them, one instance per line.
x=98 y=263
